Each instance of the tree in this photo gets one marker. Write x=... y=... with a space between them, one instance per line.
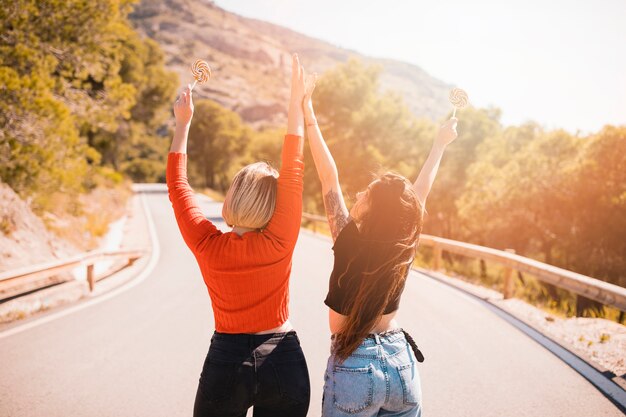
x=81 y=89
x=514 y=195
x=596 y=204
x=366 y=131
x=40 y=149
x=475 y=126
x=217 y=140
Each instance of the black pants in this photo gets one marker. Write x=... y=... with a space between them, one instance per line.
x=268 y=372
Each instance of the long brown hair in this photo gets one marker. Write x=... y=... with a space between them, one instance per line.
x=389 y=231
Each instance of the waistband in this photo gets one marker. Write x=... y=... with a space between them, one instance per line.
x=391 y=336
x=386 y=335
x=253 y=339
x=255 y=348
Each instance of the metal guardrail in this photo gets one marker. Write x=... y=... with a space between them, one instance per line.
x=314 y=219
x=32 y=278
x=594 y=289
x=582 y=285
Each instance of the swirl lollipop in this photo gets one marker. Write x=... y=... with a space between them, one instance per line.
x=458 y=98
x=201 y=72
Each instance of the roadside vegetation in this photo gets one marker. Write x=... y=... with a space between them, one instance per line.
x=84 y=99
x=85 y=104
x=84 y=107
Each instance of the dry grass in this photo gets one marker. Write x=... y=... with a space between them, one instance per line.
x=604 y=337
x=84 y=221
x=6 y=226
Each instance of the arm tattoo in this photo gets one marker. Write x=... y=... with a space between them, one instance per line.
x=336 y=212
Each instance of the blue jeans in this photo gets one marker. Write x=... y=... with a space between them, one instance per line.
x=380 y=378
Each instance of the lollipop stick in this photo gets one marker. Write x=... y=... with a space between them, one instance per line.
x=454 y=112
x=193 y=85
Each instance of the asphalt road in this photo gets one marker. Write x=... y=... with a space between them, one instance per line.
x=140 y=353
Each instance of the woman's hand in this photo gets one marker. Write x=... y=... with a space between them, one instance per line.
x=297 y=81
x=183 y=112
x=183 y=108
x=307 y=103
x=447 y=132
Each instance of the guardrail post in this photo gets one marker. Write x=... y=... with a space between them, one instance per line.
x=90 y=277
x=508 y=279
x=437 y=257
x=483 y=268
x=583 y=303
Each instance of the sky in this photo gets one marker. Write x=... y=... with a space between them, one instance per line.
x=560 y=63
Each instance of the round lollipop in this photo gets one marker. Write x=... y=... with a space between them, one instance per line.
x=458 y=98
x=201 y=72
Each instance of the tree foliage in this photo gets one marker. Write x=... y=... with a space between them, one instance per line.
x=220 y=144
x=80 y=91
x=217 y=139
x=367 y=131
x=550 y=195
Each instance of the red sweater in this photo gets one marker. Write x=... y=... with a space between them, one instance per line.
x=247 y=276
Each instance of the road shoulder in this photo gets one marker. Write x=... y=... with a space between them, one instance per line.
x=138 y=233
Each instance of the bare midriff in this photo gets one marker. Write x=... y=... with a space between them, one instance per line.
x=283 y=328
x=386 y=322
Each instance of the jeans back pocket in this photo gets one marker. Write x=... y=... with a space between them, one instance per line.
x=217 y=380
x=411 y=389
x=293 y=380
x=353 y=388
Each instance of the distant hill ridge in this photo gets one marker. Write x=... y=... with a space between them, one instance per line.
x=250 y=59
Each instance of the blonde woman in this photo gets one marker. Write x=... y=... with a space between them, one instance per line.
x=255 y=359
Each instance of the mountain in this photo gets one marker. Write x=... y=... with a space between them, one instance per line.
x=250 y=59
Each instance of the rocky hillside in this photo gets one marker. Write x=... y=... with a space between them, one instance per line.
x=29 y=239
x=250 y=59
x=24 y=239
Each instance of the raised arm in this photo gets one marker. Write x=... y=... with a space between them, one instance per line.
x=336 y=210
x=424 y=182
x=295 y=115
x=285 y=223
x=194 y=227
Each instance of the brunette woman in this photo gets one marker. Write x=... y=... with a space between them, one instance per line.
x=255 y=359
x=372 y=367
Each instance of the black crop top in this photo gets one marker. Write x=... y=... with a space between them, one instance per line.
x=350 y=256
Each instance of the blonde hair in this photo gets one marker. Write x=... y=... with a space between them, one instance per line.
x=251 y=198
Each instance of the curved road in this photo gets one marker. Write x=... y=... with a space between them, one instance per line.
x=140 y=353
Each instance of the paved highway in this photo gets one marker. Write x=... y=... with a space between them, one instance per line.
x=140 y=353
